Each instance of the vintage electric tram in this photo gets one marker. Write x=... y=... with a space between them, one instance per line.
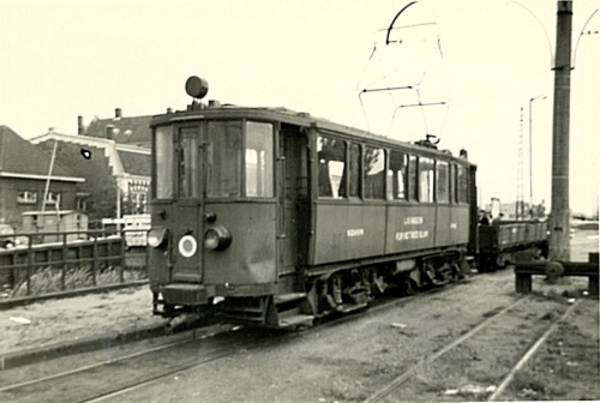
x=273 y=218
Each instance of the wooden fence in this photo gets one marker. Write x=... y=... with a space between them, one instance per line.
x=82 y=261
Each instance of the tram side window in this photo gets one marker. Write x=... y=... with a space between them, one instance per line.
x=354 y=170
x=224 y=158
x=331 y=154
x=426 y=179
x=259 y=159
x=163 y=151
x=374 y=173
x=462 y=184
x=397 y=176
x=442 y=181
x=413 y=162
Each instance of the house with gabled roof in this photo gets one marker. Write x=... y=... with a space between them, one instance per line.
x=117 y=175
x=24 y=173
x=133 y=130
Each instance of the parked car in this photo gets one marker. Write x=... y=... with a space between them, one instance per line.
x=7 y=236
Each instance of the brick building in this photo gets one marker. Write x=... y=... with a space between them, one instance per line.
x=133 y=130
x=117 y=175
x=24 y=172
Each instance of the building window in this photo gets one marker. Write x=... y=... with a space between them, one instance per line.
x=81 y=204
x=27 y=197
x=53 y=198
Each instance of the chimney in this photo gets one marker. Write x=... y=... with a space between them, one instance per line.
x=80 y=129
x=118 y=113
x=109 y=132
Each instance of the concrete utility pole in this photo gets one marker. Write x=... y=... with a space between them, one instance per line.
x=541 y=97
x=560 y=225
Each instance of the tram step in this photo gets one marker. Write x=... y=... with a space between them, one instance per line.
x=306 y=320
x=283 y=298
x=241 y=309
x=241 y=318
x=346 y=308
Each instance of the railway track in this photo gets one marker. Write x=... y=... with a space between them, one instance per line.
x=412 y=383
x=104 y=379
x=108 y=378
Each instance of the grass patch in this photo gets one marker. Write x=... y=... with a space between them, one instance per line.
x=50 y=280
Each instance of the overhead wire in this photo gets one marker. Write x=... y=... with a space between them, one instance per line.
x=384 y=76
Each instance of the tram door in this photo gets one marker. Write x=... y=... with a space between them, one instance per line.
x=293 y=200
x=187 y=229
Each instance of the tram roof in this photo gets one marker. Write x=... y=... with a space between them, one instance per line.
x=284 y=115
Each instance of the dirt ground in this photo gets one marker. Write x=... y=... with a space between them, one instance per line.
x=348 y=362
x=69 y=319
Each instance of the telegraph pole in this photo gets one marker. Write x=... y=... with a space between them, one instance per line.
x=560 y=225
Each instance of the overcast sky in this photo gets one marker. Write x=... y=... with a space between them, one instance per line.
x=478 y=61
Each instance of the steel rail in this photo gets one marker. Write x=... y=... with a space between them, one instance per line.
x=395 y=383
x=220 y=353
x=113 y=360
x=506 y=381
x=329 y=323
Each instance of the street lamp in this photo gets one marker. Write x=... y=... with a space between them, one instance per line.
x=541 y=97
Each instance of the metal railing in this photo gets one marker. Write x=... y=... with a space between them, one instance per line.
x=59 y=264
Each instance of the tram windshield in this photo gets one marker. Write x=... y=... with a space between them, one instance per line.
x=214 y=158
x=164 y=162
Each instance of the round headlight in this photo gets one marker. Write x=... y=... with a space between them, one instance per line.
x=217 y=238
x=156 y=236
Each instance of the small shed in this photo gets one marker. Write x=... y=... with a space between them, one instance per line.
x=51 y=222
x=134 y=226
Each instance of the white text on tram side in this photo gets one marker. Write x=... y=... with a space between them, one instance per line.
x=408 y=235
x=355 y=232
x=413 y=220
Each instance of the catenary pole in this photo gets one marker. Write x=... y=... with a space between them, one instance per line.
x=560 y=214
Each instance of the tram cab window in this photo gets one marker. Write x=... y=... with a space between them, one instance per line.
x=187 y=161
x=373 y=173
x=163 y=152
x=397 y=176
x=331 y=154
x=426 y=179
x=259 y=159
x=223 y=155
x=442 y=182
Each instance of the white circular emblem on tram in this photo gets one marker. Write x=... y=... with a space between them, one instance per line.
x=188 y=246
